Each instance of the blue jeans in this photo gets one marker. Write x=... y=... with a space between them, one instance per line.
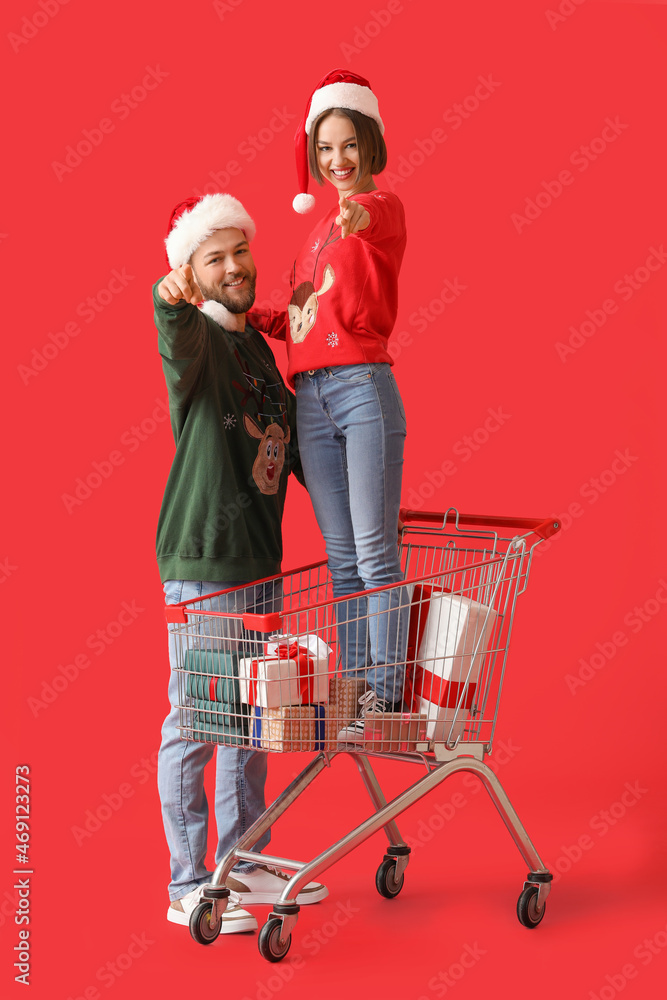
x=351 y=431
x=240 y=772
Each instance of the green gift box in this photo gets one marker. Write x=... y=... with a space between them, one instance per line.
x=212 y=675
x=228 y=722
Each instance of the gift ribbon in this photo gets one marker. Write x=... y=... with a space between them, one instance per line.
x=252 y=684
x=319 y=727
x=421 y=598
x=305 y=666
x=256 y=728
x=446 y=694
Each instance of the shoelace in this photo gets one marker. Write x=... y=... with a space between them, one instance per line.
x=367 y=702
x=276 y=871
x=370 y=702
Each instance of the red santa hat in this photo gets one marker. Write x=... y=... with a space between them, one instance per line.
x=195 y=219
x=192 y=222
x=338 y=89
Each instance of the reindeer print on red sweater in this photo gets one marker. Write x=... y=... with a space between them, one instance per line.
x=303 y=305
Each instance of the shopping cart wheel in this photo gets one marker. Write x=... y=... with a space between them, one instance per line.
x=386 y=882
x=270 y=945
x=527 y=910
x=201 y=927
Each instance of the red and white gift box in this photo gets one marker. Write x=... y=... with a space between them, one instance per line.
x=448 y=637
x=312 y=657
x=291 y=672
x=269 y=682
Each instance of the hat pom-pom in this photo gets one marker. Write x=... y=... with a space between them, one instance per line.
x=303 y=203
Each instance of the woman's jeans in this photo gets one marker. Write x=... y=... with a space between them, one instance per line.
x=240 y=772
x=351 y=432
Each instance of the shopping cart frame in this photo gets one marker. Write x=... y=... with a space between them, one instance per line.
x=440 y=761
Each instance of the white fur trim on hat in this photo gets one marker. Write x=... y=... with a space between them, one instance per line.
x=217 y=311
x=344 y=95
x=213 y=212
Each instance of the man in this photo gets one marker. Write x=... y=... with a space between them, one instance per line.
x=220 y=522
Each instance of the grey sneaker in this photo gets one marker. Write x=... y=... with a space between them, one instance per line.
x=370 y=705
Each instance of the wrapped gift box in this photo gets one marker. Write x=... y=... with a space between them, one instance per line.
x=448 y=637
x=269 y=682
x=312 y=656
x=212 y=675
x=393 y=732
x=215 y=722
x=288 y=730
x=343 y=706
x=290 y=672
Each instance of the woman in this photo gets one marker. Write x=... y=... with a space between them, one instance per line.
x=350 y=418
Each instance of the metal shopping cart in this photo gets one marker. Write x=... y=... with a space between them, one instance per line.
x=280 y=665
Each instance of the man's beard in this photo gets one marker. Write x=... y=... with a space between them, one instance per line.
x=232 y=302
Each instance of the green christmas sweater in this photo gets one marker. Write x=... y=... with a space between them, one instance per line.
x=234 y=425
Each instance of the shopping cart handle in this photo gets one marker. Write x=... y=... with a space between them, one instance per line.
x=271 y=622
x=543 y=528
x=175 y=614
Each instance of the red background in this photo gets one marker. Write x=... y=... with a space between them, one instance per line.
x=223 y=72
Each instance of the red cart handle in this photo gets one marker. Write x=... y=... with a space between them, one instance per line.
x=543 y=528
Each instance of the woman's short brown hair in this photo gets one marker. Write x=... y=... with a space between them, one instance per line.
x=371 y=146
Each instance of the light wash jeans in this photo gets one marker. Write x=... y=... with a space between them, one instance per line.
x=240 y=772
x=351 y=431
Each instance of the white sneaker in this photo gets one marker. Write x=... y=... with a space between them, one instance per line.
x=370 y=705
x=265 y=885
x=234 y=919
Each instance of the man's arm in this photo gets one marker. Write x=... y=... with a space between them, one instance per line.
x=180 y=327
x=183 y=333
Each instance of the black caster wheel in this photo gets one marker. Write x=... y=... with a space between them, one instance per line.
x=202 y=929
x=386 y=882
x=270 y=946
x=527 y=909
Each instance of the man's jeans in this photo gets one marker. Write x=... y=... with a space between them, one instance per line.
x=351 y=432
x=240 y=772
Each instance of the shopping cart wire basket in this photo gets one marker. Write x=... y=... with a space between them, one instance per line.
x=281 y=665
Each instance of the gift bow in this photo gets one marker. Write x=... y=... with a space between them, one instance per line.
x=304 y=662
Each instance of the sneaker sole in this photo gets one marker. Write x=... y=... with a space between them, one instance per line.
x=345 y=736
x=267 y=898
x=230 y=925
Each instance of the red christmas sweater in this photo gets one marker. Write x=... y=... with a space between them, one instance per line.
x=344 y=292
